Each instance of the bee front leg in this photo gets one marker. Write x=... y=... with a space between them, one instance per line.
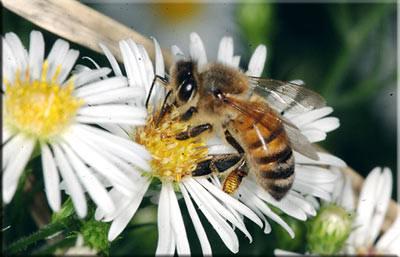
x=217 y=164
x=193 y=131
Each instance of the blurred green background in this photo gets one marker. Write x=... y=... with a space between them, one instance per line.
x=346 y=52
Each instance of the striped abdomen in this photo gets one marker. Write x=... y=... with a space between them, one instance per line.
x=268 y=151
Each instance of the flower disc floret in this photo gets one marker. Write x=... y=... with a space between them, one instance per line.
x=39 y=108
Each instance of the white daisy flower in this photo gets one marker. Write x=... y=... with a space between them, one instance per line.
x=173 y=160
x=371 y=209
x=369 y=215
x=313 y=178
x=44 y=106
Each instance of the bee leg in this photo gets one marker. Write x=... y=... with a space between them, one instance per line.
x=164 y=108
x=189 y=113
x=193 y=131
x=217 y=164
x=156 y=78
x=235 y=177
x=232 y=141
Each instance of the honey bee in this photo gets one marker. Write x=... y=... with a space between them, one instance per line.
x=248 y=113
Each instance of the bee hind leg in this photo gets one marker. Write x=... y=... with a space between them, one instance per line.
x=235 y=177
x=217 y=164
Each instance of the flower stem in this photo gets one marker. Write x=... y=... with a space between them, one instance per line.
x=41 y=234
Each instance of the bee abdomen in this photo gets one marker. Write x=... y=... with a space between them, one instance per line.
x=281 y=156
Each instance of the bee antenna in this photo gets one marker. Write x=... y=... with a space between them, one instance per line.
x=156 y=77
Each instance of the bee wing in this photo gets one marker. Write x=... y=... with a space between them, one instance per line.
x=265 y=115
x=298 y=141
x=286 y=96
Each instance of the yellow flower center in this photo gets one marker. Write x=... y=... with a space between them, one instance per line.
x=40 y=108
x=172 y=159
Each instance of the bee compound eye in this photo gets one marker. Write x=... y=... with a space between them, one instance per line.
x=187 y=90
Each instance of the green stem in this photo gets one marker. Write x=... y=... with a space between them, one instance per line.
x=44 y=232
x=49 y=249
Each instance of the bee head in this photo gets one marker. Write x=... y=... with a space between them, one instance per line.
x=185 y=81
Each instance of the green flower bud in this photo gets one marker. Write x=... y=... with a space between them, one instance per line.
x=95 y=235
x=329 y=230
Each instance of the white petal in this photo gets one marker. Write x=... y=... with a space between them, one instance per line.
x=139 y=59
x=314 y=135
x=9 y=64
x=226 y=233
x=221 y=149
x=221 y=209
x=201 y=233
x=165 y=232
x=310 y=116
x=283 y=204
x=116 y=130
x=148 y=67
x=382 y=200
x=182 y=243
x=111 y=59
x=301 y=202
x=314 y=174
x=56 y=56
x=236 y=61
x=230 y=201
x=110 y=120
x=326 y=124
x=197 y=50
x=313 y=201
x=67 y=64
x=324 y=159
x=123 y=219
x=257 y=61
x=91 y=157
x=279 y=252
x=312 y=189
x=225 y=51
x=123 y=150
x=15 y=168
x=253 y=207
x=113 y=111
x=71 y=181
x=18 y=49
x=129 y=144
x=176 y=53
x=88 y=76
x=11 y=148
x=159 y=63
x=93 y=186
x=160 y=71
x=101 y=86
x=348 y=199
x=5 y=136
x=267 y=211
x=366 y=206
x=51 y=178
x=115 y=96
x=36 y=54
x=131 y=66
x=391 y=237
